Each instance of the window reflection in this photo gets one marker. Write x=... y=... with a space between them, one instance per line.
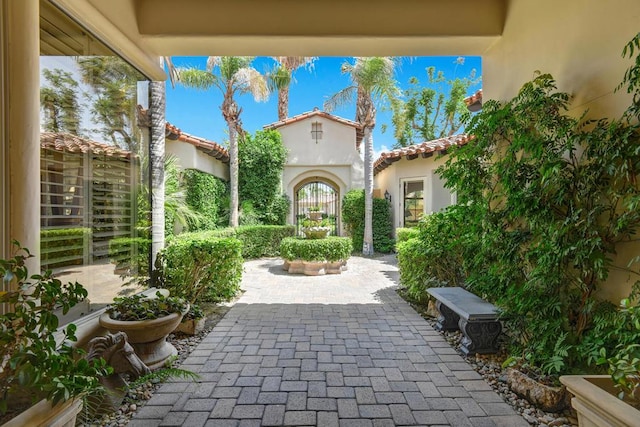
x=94 y=197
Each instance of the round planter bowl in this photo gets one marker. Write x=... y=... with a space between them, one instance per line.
x=148 y=337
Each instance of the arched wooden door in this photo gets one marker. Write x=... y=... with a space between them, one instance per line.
x=317 y=195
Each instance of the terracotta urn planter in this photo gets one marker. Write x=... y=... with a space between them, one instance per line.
x=44 y=414
x=148 y=337
x=315 y=215
x=596 y=403
x=316 y=232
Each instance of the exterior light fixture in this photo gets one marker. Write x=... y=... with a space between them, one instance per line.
x=387 y=196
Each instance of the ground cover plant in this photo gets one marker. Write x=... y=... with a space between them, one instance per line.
x=549 y=201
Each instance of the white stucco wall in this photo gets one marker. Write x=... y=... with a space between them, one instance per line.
x=392 y=178
x=334 y=157
x=189 y=157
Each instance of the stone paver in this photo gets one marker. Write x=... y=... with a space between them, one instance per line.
x=335 y=350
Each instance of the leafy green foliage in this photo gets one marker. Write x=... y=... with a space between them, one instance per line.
x=262 y=240
x=330 y=249
x=33 y=363
x=208 y=196
x=427 y=113
x=434 y=255
x=141 y=307
x=404 y=234
x=353 y=217
x=550 y=200
x=261 y=160
x=201 y=267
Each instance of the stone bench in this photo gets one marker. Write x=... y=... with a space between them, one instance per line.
x=475 y=317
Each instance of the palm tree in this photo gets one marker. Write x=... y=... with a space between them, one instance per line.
x=231 y=75
x=371 y=79
x=282 y=76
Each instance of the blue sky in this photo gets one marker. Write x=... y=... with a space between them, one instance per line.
x=198 y=112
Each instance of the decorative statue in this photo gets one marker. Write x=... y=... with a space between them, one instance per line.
x=120 y=355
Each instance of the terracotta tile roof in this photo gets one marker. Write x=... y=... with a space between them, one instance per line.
x=60 y=141
x=424 y=150
x=208 y=147
x=318 y=113
x=474 y=102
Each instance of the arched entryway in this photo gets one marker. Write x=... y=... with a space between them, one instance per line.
x=317 y=195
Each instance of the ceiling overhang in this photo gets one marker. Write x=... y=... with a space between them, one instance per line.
x=294 y=27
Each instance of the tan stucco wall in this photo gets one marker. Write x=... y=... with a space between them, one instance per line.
x=191 y=158
x=334 y=157
x=580 y=43
x=391 y=179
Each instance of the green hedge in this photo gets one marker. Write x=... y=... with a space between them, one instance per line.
x=435 y=257
x=331 y=249
x=353 y=217
x=263 y=240
x=64 y=246
x=257 y=240
x=200 y=267
x=404 y=234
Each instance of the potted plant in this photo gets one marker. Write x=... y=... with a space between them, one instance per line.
x=612 y=400
x=147 y=321
x=314 y=257
x=40 y=370
x=315 y=213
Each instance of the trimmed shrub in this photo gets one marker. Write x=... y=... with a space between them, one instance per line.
x=201 y=268
x=263 y=240
x=64 y=246
x=353 y=217
x=404 y=234
x=435 y=256
x=331 y=249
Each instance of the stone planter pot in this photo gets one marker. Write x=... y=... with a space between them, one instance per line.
x=316 y=232
x=596 y=403
x=314 y=268
x=148 y=337
x=44 y=414
x=550 y=399
x=315 y=216
x=191 y=326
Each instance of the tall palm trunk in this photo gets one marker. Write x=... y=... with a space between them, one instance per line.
x=231 y=114
x=156 y=163
x=283 y=103
x=367 y=242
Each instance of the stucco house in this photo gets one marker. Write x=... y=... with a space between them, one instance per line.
x=194 y=152
x=578 y=41
x=407 y=176
x=324 y=162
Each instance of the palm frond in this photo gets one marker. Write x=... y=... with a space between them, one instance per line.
x=213 y=62
x=341 y=98
x=196 y=79
x=278 y=78
x=250 y=80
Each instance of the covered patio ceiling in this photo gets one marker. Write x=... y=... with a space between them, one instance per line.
x=294 y=27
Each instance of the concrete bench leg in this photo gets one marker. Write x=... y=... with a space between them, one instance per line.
x=479 y=337
x=448 y=319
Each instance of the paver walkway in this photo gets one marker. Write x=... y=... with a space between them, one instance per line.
x=339 y=350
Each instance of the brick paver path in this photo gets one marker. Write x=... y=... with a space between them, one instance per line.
x=339 y=350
